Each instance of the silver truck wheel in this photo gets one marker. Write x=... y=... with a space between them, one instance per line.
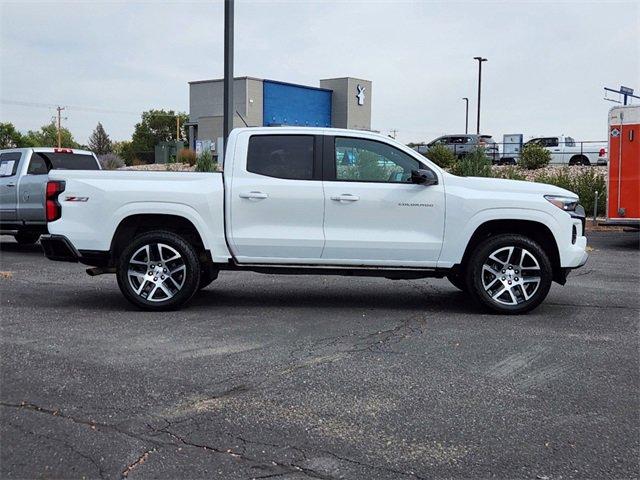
x=509 y=273
x=158 y=271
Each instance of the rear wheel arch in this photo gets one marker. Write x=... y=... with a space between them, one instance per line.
x=134 y=225
x=536 y=231
x=579 y=160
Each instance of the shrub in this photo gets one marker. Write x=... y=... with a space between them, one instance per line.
x=186 y=155
x=110 y=161
x=584 y=184
x=205 y=162
x=474 y=164
x=441 y=156
x=534 y=156
x=510 y=173
x=562 y=178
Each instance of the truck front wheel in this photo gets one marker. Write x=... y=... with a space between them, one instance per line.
x=158 y=271
x=509 y=274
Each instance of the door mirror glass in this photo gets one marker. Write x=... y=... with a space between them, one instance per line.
x=424 y=177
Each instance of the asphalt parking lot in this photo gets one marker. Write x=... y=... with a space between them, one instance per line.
x=311 y=377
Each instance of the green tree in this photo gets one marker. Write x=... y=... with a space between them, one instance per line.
x=157 y=126
x=10 y=137
x=99 y=141
x=47 y=136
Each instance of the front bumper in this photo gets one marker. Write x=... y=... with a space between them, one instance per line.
x=59 y=248
x=576 y=255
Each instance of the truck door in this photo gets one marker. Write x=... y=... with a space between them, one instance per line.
x=374 y=215
x=9 y=163
x=275 y=201
x=32 y=190
x=556 y=147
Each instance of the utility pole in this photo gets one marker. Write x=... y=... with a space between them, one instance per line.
x=59 y=109
x=177 y=128
x=228 y=69
x=480 y=60
x=394 y=132
x=466 y=115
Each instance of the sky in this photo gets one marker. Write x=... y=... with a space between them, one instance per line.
x=108 y=61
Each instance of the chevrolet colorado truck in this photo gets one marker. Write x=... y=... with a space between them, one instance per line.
x=316 y=201
x=23 y=177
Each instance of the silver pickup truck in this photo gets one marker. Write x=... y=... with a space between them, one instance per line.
x=23 y=179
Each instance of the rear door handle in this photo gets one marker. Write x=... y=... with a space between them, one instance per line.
x=345 y=197
x=254 y=195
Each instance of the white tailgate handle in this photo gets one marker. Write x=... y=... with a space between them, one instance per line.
x=254 y=195
x=345 y=197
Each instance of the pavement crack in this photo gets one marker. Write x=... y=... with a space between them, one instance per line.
x=138 y=462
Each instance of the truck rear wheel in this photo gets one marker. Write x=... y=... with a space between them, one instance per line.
x=509 y=274
x=26 y=238
x=158 y=271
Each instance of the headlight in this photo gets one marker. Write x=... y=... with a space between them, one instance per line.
x=568 y=204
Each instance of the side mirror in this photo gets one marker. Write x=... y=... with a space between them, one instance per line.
x=424 y=177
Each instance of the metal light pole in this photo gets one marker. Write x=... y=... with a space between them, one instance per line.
x=466 y=115
x=480 y=60
x=228 y=70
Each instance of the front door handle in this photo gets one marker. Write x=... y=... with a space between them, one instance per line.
x=11 y=184
x=254 y=195
x=345 y=197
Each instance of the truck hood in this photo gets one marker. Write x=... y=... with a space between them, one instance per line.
x=504 y=185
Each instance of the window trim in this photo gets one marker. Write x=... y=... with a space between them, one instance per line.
x=329 y=157
x=15 y=165
x=316 y=174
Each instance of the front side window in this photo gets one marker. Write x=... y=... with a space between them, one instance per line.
x=281 y=156
x=360 y=160
x=569 y=142
x=551 y=142
x=9 y=164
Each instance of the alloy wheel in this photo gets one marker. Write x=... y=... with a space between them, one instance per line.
x=156 y=272
x=511 y=275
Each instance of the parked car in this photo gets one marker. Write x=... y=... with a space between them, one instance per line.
x=316 y=201
x=566 y=151
x=23 y=178
x=463 y=144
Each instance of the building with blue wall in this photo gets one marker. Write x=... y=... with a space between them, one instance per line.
x=339 y=102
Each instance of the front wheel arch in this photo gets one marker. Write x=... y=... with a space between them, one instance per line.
x=537 y=231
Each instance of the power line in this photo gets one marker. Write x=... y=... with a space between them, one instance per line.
x=78 y=108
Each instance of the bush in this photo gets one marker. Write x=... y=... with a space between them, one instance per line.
x=441 y=156
x=534 y=156
x=509 y=173
x=110 y=161
x=474 y=164
x=187 y=155
x=171 y=159
x=205 y=162
x=584 y=184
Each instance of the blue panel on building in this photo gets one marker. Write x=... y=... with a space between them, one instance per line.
x=288 y=104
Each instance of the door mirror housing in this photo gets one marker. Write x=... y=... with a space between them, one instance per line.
x=424 y=177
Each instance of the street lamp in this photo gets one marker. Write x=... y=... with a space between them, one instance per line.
x=466 y=115
x=480 y=60
x=228 y=71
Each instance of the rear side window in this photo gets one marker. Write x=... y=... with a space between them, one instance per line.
x=42 y=162
x=281 y=156
x=9 y=164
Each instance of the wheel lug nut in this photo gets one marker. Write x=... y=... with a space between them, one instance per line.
x=150 y=273
x=162 y=277
x=509 y=282
x=153 y=266
x=504 y=278
x=503 y=271
x=155 y=279
x=516 y=279
x=165 y=270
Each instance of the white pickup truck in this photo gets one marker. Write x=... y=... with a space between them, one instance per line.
x=316 y=201
x=567 y=151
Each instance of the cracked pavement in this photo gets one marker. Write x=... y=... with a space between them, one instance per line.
x=297 y=377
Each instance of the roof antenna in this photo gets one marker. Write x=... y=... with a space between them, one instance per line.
x=241 y=118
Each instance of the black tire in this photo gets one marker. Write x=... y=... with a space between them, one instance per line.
x=458 y=280
x=26 y=238
x=520 y=288
x=579 y=160
x=180 y=282
x=207 y=275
